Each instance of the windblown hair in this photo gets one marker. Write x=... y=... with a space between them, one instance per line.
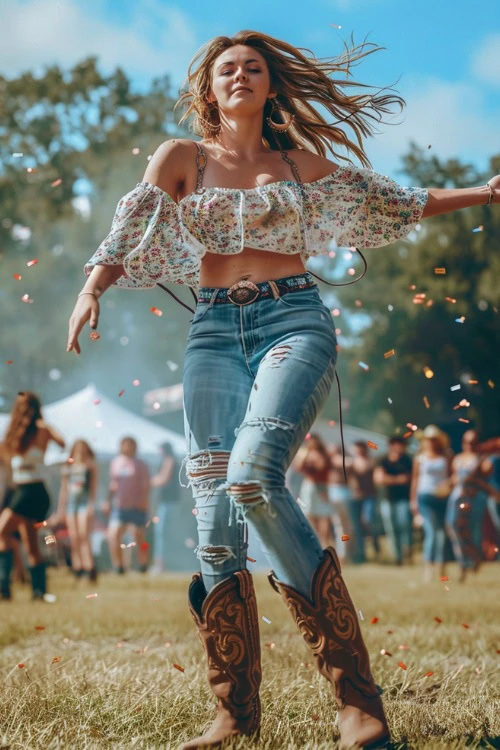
x=298 y=78
x=22 y=428
x=81 y=445
x=316 y=442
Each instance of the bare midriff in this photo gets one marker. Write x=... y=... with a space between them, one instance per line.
x=252 y=265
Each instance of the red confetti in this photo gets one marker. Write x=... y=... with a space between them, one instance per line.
x=9 y=362
x=345 y=537
x=144 y=546
x=440 y=271
x=438 y=620
x=21 y=666
x=408 y=434
x=32 y=262
x=17 y=276
x=373 y=620
x=444 y=578
x=39 y=627
x=390 y=353
x=464 y=625
x=250 y=559
x=428 y=674
x=56 y=659
x=94 y=336
x=402 y=665
x=178 y=666
x=372 y=445
x=121 y=392
x=156 y=311
x=40 y=524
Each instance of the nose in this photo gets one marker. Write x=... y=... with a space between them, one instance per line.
x=240 y=75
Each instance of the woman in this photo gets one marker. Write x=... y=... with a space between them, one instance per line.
x=339 y=494
x=166 y=480
x=429 y=490
x=76 y=506
x=239 y=213
x=363 y=507
x=313 y=462
x=467 y=503
x=25 y=443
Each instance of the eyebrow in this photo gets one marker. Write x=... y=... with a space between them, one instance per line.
x=230 y=62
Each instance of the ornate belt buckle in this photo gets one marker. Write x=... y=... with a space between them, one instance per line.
x=243 y=293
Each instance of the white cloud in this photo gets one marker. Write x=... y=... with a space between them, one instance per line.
x=486 y=63
x=451 y=117
x=42 y=32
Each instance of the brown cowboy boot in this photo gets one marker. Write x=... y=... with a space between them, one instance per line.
x=227 y=623
x=330 y=626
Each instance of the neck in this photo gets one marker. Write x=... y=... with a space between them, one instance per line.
x=241 y=137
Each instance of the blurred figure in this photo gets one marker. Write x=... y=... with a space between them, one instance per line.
x=76 y=506
x=339 y=494
x=128 y=500
x=25 y=443
x=467 y=503
x=430 y=487
x=6 y=490
x=363 y=505
x=393 y=473
x=167 y=481
x=312 y=460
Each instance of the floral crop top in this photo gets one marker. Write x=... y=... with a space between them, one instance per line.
x=160 y=241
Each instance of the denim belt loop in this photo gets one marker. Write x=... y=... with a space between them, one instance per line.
x=213 y=298
x=274 y=289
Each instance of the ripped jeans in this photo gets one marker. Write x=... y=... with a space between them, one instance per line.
x=255 y=378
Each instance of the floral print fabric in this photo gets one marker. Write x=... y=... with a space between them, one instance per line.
x=159 y=240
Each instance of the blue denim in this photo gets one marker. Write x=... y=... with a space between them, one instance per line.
x=397 y=518
x=164 y=512
x=433 y=511
x=255 y=378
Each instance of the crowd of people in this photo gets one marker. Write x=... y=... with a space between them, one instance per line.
x=452 y=499
x=27 y=513
x=351 y=501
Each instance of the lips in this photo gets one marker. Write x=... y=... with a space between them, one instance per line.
x=242 y=88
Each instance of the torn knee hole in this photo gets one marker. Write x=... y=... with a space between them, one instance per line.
x=246 y=492
x=215 y=555
x=206 y=465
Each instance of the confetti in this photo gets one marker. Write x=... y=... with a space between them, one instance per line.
x=56 y=183
x=39 y=627
x=144 y=546
x=121 y=392
x=336 y=25
x=426 y=403
x=444 y=578
x=478 y=229
x=403 y=647
x=385 y=653
x=373 y=620
x=408 y=434
x=178 y=666
x=136 y=382
x=26 y=298
x=156 y=311
x=455 y=387
x=428 y=372
x=32 y=262
x=390 y=353
x=438 y=620
x=56 y=659
x=270 y=645
x=50 y=539
x=465 y=421
x=464 y=625
x=20 y=666
x=360 y=615
x=402 y=665
x=440 y=271
x=491 y=383
x=172 y=366
x=331 y=423
x=390 y=400
x=250 y=559
x=363 y=365
x=91 y=596
x=345 y=537
x=9 y=362
x=428 y=674
x=450 y=299
x=40 y=524
x=460 y=320
x=372 y=445
x=96 y=401
x=17 y=276
x=266 y=620
x=94 y=336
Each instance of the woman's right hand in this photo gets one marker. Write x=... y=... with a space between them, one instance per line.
x=86 y=309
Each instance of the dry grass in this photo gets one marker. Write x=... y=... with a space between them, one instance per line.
x=100 y=674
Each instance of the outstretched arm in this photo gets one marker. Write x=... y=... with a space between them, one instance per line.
x=444 y=200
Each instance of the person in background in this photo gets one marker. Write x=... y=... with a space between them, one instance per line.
x=313 y=462
x=167 y=482
x=393 y=474
x=76 y=506
x=429 y=490
x=25 y=442
x=339 y=494
x=363 y=506
x=467 y=503
x=128 y=501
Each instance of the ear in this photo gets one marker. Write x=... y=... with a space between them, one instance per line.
x=272 y=95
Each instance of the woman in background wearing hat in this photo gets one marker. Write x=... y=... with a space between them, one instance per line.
x=430 y=487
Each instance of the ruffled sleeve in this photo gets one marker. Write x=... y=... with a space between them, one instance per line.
x=149 y=239
x=361 y=208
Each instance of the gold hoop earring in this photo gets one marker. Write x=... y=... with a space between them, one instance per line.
x=280 y=127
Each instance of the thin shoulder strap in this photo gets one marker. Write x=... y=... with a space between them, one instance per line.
x=294 y=167
x=201 y=163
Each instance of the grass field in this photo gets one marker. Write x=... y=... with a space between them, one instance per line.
x=98 y=672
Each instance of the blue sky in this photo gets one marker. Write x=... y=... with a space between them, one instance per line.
x=445 y=53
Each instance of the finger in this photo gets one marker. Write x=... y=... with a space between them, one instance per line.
x=94 y=318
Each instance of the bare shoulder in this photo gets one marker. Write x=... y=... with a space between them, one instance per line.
x=167 y=166
x=312 y=166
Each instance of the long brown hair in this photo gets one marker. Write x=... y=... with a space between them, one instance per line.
x=79 y=444
x=298 y=78
x=22 y=429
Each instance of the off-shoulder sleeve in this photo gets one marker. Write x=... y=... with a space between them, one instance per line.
x=383 y=213
x=149 y=239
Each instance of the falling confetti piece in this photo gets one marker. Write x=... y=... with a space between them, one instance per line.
x=450 y=299
x=465 y=421
x=402 y=665
x=360 y=615
x=250 y=559
x=26 y=298
x=428 y=674
x=390 y=353
x=478 y=229
x=426 y=403
x=363 y=365
x=144 y=546
x=336 y=25
x=390 y=400
x=96 y=401
x=91 y=596
x=438 y=620
x=331 y=423
x=464 y=625
x=56 y=183
x=40 y=524
x=444 y=578
x=266 y=620
x=17 y=276
x=473 y=382
x=136 y=382
x=56 y=659
x=172 y=366
x=50 y=539
x=94 y=336
x=20 y=666
x=345 y=537
x=440 y=271
x=373 y=620
x=455 y=387
x=32 y=262
x=460 y=320
x=385 y=653
x=178 y=666
x=491 y=383
x=156 y=311
x=408 y=434
x=315 y=717
x=9 y=362
x=121 y=392
x=403 y=647
x=372 y=445
x=428 y=372
x=39 y=627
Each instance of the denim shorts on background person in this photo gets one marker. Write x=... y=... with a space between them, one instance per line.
x=255 y=378
x=125 y=516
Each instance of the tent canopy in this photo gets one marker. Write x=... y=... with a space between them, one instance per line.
x=90 y=415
